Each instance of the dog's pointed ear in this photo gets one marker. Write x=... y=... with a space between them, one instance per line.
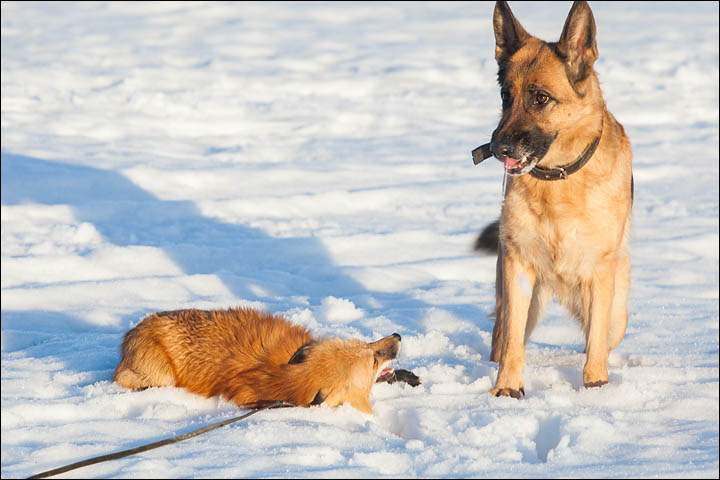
x=509 y=34
x=577 y=47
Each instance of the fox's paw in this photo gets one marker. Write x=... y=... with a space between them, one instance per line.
x=407 y=377
x=508 y=392
x=392 y=376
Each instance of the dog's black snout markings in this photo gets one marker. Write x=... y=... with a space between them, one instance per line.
x=502 y=150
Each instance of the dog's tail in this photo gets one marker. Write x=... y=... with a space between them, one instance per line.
x=488 y=240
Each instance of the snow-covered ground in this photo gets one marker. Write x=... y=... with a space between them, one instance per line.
x=313 y=159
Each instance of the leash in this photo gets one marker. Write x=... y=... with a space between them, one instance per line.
x=150 y=446
x=481 y=153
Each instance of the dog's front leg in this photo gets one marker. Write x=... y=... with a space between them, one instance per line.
x=598 y=308
x=517 y=284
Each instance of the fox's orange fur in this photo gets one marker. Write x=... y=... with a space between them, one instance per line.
x=251 y=358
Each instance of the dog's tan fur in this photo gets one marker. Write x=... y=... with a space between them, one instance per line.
x=250 y=358
x=567 y=238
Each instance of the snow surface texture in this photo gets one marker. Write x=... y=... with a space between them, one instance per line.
x=314 y=160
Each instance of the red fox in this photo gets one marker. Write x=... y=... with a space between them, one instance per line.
x=253 y=359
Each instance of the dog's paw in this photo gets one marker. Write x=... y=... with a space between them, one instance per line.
x=508 y=392
x=594 y=377
x=599 y=383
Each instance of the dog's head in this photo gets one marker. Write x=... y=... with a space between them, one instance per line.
x=549 y=91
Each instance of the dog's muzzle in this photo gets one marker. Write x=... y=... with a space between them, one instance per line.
x=512 y=166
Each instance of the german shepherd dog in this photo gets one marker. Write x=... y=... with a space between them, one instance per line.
x=565 y=222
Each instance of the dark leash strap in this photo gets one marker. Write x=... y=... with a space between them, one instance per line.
x=150 y=446
x=481 y=153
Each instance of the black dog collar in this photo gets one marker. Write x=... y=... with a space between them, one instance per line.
x=555 y=173
x=561 y=173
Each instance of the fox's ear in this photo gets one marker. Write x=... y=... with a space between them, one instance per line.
x=577 y=46
x=301 y=354
x=509 y=34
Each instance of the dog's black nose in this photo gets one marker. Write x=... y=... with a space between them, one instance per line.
x=396 y=335
x=501 y=150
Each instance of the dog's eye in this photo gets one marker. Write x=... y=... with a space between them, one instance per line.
x=541 y=98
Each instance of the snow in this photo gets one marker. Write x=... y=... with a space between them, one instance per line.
x=313 y=160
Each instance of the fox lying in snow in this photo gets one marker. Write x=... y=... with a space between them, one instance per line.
x=253 y=359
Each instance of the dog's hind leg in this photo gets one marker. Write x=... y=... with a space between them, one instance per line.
x=619 y=315
x=498 y=327
x=540 y=296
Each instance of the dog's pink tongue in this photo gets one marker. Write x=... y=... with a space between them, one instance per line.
x=511 y=163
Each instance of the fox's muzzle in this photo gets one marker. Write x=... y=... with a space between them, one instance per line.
x=386 y=348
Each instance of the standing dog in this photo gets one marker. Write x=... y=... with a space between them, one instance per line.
x=565 y=222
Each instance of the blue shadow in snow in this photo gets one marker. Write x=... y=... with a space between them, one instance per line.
x=243 y=258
